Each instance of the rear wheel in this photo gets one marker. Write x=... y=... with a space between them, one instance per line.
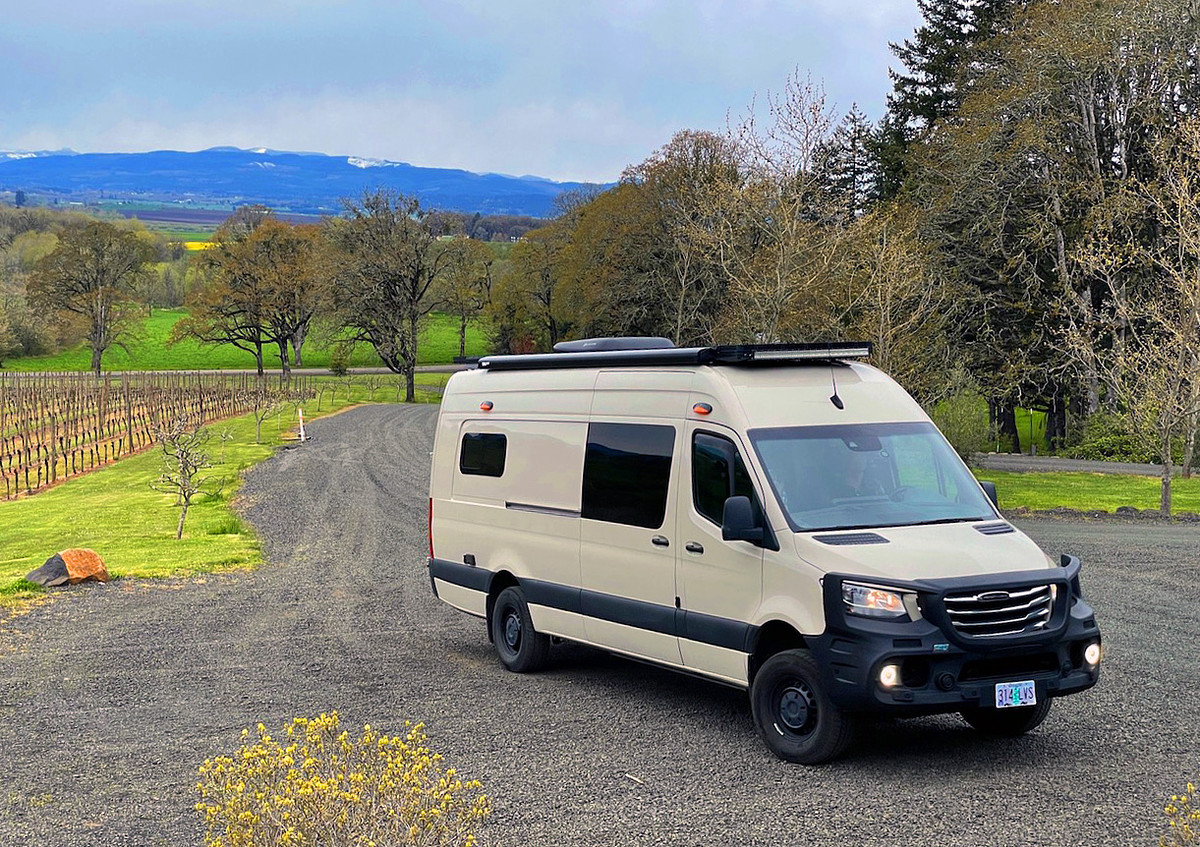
x=792 y=712
x=521 y=648
x=1007 y=723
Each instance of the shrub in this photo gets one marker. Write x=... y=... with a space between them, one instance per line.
x=317 y=786
x=1184 y=819
x=1106 y=437
x=339 y=360
x=963 y=419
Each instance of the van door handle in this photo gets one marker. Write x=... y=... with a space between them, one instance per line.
x=660 y=541
x=694 y=547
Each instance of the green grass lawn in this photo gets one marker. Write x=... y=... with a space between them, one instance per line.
x=1089 y=491
x=115 y=512
x=148 y=351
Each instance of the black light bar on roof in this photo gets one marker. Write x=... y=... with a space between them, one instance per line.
x=793 y=352
x=739 y=354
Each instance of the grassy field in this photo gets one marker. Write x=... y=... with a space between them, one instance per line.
x=115 y=511
x=1089 y=491
x=148 y=351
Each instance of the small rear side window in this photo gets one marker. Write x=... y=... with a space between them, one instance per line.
x=483 y=453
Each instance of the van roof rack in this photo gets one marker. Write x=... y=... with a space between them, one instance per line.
x=736 y=354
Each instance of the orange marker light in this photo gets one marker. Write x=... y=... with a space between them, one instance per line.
x=702 y=409
x=486 y=405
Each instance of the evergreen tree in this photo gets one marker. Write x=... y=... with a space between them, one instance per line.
x=847 y=166
x=943 y=57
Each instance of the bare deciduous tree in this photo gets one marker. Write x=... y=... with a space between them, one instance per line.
x=184 y=458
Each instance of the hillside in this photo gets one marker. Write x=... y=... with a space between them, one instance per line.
x=223 y=177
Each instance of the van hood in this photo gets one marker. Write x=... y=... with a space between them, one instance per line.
x=922 y=552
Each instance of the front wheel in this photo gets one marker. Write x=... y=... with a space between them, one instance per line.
x=1007 y=723
x=521 y=648
x=792 y=712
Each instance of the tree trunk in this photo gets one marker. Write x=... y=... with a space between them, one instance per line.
x=462 y=336
x=410 y=363
x=1164 y=505
x=297 y=343
x=284 y=364
x=182 y=518
x=97 y=353
x=258 y=357
x=1006 y=426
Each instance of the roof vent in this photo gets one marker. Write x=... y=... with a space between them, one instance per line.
x=600 y=345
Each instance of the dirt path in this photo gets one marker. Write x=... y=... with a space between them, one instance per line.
x=118 y=692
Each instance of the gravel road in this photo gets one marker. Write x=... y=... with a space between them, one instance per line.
x=112 y=695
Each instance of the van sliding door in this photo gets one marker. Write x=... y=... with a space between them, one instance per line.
x=627 y=554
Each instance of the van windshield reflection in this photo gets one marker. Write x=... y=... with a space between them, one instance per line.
x=856 y=476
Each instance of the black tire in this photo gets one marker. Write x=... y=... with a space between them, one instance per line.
x=1007 y=723
x=793 y=713
x=521 y=648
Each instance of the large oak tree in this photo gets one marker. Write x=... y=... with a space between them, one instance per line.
x=93 y=273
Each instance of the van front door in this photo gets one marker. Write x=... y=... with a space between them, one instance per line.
x=720 y=582
x=627 y=548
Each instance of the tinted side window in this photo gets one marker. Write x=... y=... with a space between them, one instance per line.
x=717 y=474
x=483 y=454
x=626 y=473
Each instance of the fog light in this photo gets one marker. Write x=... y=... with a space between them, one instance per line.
x=889 y=676
x=1092 y=653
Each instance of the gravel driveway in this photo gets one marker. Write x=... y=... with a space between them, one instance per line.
x=110 y=697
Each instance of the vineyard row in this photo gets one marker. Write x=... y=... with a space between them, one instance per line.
x=54 y=426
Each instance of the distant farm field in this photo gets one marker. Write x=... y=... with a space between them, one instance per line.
x=149 y=351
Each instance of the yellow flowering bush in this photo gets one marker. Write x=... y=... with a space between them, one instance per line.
x=317 y=786
x=1184 y=819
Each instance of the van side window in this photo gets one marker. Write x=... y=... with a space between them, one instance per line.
x=626 y=473
x=483 y=453
x=717 y=474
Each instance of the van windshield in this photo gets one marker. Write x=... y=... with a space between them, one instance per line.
x=856 y=476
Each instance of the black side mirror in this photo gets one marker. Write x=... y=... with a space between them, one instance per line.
x=737 y=521
x=989 y=488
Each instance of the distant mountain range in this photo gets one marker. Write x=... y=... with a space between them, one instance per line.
x=301 y=183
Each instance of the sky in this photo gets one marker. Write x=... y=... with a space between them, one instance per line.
x=563 y=89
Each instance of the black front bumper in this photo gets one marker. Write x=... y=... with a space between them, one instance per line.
x=942 y=670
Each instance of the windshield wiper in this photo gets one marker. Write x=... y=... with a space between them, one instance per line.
x=944 y=520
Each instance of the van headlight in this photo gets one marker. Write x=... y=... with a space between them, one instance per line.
x=873 y=601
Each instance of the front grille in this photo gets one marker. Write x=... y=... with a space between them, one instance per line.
x=992 y=613
x=1011 y=667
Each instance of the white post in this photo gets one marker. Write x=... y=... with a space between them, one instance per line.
x=301 y=411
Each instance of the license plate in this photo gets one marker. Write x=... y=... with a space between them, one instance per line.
x=1012 y=694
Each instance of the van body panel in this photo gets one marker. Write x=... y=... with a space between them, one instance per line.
x=785 y=396
x=641 y=395
x=924 y=552
x=791 y=594
x=554 y=621
x=462 y=598
x=718 y=662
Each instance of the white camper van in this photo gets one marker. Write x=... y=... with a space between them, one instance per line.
x=780 y=518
